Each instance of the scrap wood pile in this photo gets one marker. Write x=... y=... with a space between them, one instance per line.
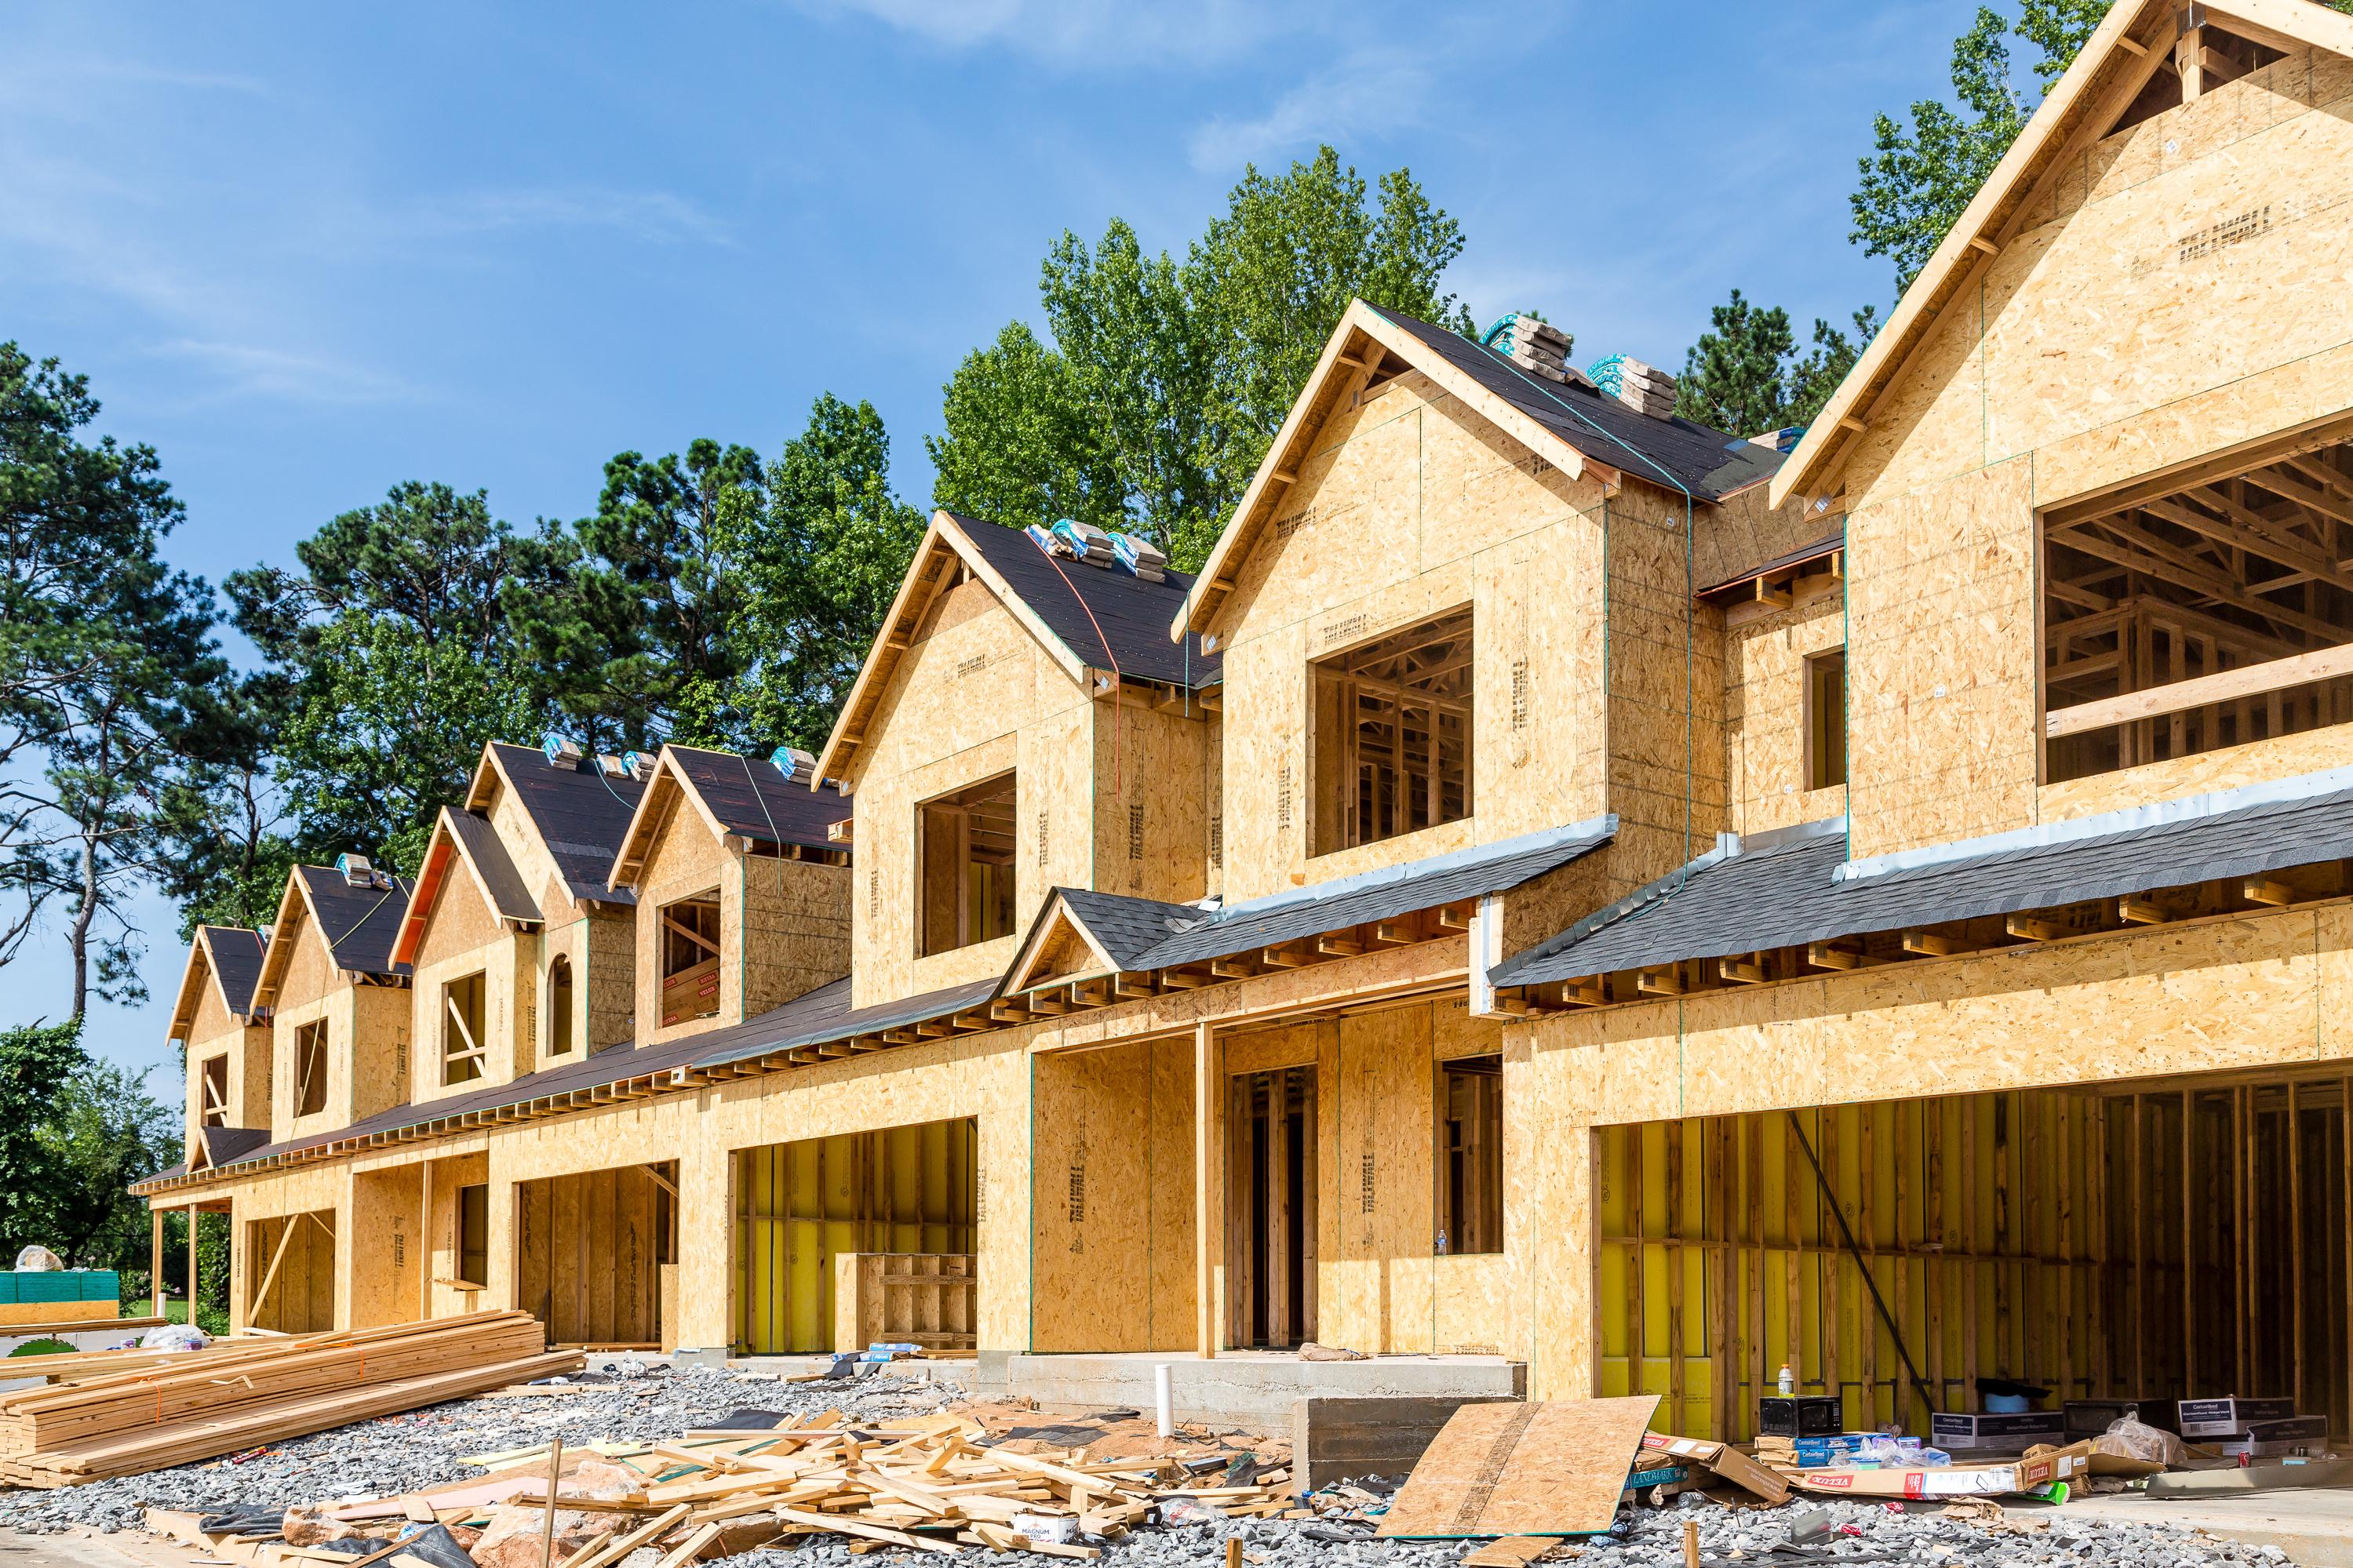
x=927 y=1485
x=145 y=1411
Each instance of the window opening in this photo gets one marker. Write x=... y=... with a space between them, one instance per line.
x=1393 y=735
x=464 y=1053
x=559 y=1005
x=213 y=1108
x=311 y=1068
x=690 y=958
x=474 y=1234
x=1470 y=1154
x=966 y=852
x=1826 y=720
x=2198 y=611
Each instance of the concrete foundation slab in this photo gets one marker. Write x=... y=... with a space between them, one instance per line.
x=2314 y=1528
x=1253 y=1389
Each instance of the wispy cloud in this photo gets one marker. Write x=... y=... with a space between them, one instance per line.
x=1113 y=33
x=655 y=217
x=1385 y=88
x=256 y=370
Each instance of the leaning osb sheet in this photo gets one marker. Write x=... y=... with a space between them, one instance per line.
x=1553 y=1469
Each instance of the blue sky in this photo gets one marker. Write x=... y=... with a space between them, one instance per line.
x=310 y=252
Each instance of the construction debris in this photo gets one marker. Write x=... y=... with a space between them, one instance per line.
x=149 y=1411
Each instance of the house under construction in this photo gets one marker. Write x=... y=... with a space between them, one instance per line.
x=1562 y=884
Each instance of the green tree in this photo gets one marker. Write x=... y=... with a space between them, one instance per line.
x=398 y=661
x=823 y=548
x=1745 y=375
x=1163 y=383
x=640 y=633
x=101 y=1132
x=109 y=674
x=38 y=1061
x=1923 y=172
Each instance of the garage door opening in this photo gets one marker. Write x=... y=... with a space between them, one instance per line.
x=862 y=1236
x=596 y=1256
x=2181 y=1240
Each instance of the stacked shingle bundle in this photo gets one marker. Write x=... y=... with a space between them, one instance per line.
x=1541 y=347
x=1646 y=387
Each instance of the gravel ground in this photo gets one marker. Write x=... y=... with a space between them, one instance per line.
x=401 y=1453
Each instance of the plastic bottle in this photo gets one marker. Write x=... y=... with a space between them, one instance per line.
x=1788 y=1383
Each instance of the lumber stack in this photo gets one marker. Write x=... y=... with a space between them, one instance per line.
x=202 y=1405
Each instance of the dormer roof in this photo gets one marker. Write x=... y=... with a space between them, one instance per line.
x=464 y=838
x=359 y=922
x=226 y=957
x=580 y=811
x=1090 y=620
x=734 y=797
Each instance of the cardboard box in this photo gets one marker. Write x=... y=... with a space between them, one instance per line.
x=2278 y=1439
x=1964 y=1433
x=2092 y=1417
x=1802 y=1416
x=1722 y=1460
x=2228 y=1417
x=1813 y=1453
x=1958 y=1480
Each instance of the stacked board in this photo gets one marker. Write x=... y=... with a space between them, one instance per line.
x=123 y=1423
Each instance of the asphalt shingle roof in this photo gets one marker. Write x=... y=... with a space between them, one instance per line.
x=582 y=814
x=1709 y=463
x=1102 y=614
x=1127 y=928
x=236 y=964
x=752 y=798
x=1790 y=891
x=509 y=898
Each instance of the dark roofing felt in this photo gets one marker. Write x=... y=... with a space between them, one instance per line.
x=1106 y=615
x=1819 y=548
x=822 y=1014
x=509 y=898
x=223 y=1144
x=1708 y=463
x=236 y=964
x=582 y=814
x=1194 y=936
x=360 y=923
x=1786 y=893
x=752 y=798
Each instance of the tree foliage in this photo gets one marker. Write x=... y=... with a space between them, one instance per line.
x=1925 y=167
x=1745 y=375
x=110 y=680
x=36 y=1062
x=1153 y=398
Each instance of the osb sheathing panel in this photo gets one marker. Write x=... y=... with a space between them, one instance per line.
x=974 y=696
x=1940 y=662
x=1407 y=509
x=379 y=1272
x=611 y=978
x=367 y=1051
x=215 y=1032
x=1113 y=1168
x=2114 y=310
x=1213 y=806
x=796 y=931
x=464 y=936
x=440 y=1231
x=687 y=860
x=1151 y=802
x=1765 y=715
x=2286 y=756
x=532 y=862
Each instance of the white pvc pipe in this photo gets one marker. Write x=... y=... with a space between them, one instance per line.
x=1161 y=1397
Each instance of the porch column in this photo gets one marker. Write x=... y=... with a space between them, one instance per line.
x=193 y=1211
x=155 y=1260
x=1209 y=1191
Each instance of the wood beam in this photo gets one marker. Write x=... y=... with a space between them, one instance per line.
x=2224 y=685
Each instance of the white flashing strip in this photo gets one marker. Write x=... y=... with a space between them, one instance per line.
x=2191 y=808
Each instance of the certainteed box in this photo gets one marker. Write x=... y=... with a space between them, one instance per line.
x=2277 y=1439
x=1965 y=1433
x=2228 y=1417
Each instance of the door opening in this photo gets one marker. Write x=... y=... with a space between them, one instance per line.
x=1270 y=1208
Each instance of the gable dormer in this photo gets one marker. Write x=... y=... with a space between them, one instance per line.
x=225 y=1040
x=1455 y=608
x=1022 y=723
x=742 y=890
x=338 y=1000
x=470 y=939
